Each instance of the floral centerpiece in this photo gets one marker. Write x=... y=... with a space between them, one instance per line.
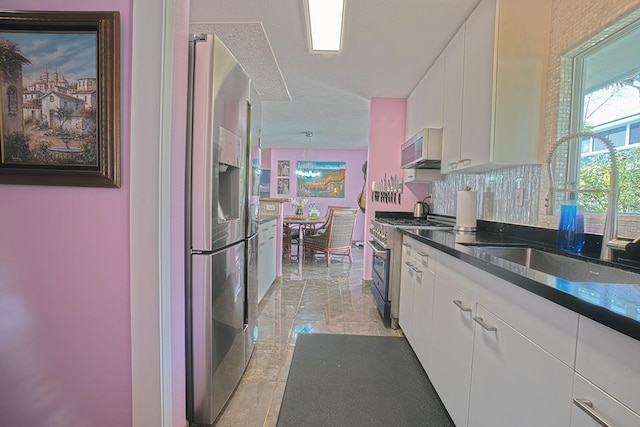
x=299 y=205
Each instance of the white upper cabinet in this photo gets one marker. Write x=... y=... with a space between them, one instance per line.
x=424 y=105
x=505 y=48
x=452 y=114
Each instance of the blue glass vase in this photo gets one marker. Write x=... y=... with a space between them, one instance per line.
x=571 y=229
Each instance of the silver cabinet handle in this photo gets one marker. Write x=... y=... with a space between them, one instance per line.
x=465 y=162
x=453 y=165
x=425 y=258
x=408 y=264
x=416 y=270
x=407 y=245
x=587 y=406
x=480 y=321
x=458 y=303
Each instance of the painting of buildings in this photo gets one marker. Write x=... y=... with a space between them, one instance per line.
x=48 y=116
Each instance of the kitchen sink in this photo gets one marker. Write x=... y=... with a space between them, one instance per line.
x=564 y=267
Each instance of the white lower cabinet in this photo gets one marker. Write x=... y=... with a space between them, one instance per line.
x=495 y=364
x=610 y=360
x=592 y=407
x=417 y=283
x=514 y=382
x=407 y=291
x=452 y=349
x=266 y=256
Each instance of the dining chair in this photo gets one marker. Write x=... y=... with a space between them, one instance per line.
x=310 y=231
x=337 y=238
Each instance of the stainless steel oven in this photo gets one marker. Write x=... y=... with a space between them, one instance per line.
x=386 y=242
x=380 y=279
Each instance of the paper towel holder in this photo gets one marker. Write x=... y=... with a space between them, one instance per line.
x=464 y=228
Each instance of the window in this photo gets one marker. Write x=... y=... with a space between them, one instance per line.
x=606 y=81
x=12 y=97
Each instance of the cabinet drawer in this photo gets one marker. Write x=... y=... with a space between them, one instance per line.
x=547 y=324
x=418 y=253
x=610 y=360
x=601 y=405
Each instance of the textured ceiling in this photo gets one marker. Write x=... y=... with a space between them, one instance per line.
x=388 y=45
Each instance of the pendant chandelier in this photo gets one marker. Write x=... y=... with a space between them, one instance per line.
x=305 y=168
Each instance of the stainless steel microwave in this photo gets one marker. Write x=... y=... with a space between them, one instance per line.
x=423 y=151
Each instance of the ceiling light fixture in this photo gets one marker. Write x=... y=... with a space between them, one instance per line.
x=305 y=167
x=325 y=18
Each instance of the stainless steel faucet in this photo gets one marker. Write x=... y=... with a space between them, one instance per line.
x=610 y=232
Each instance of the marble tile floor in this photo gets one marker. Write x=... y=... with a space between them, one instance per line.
x=311 y=298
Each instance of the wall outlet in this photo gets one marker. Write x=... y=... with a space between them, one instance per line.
x=519 y=197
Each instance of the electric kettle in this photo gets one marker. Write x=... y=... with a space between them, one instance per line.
x=421 y=209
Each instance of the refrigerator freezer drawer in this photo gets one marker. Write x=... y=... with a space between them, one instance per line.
x=217 y=330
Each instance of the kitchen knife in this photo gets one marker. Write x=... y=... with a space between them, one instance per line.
x=385 y=188
x=399 y=190
x=395 y=188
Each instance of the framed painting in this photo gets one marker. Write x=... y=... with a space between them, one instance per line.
x=321 y=179
x=284 y=168
x=265 y=183
x=283 y=186
x=60 y=122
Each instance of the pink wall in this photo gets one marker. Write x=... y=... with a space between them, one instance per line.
x=354 y=180
x=64 y=286
x=386 y=135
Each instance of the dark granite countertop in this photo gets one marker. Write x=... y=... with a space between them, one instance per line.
x=614 y=305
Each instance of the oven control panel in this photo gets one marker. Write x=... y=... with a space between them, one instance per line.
x=380 y=235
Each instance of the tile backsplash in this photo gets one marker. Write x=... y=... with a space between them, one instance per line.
x=497 y=199
x=496 y=194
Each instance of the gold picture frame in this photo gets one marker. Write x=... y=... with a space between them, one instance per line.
x=60 y=114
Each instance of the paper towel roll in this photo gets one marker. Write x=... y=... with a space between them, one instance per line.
x=466 y=210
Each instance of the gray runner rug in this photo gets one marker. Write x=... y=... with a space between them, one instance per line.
x=354 y=380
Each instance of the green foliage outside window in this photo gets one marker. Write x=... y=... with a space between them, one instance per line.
x=595 y=174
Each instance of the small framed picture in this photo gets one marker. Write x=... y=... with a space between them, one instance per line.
x=283 y=186
x=284 y=167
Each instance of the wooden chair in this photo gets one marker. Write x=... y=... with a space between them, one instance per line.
x=290 y=236
x=337 y=237
x=311 y=231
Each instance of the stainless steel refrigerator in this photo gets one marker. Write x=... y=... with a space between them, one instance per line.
x=220 y=311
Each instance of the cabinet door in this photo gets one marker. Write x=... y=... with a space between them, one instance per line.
x=423 y=314
x=407 y=289
x=478 y=84
x=411 y=115
x=266 y=257
x=270 y=249
x=591 y=405
x=452 y=103
x=433 y=96
x=514 y=382
x=452 y=347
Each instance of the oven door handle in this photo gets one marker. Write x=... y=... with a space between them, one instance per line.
x=378 y=250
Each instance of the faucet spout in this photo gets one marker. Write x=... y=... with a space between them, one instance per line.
x=610 y=231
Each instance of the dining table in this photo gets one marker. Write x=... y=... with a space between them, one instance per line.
x=302 y=222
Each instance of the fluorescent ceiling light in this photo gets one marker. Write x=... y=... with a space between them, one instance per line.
x=325 y=21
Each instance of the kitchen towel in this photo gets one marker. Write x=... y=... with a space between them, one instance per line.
x=466 y=210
